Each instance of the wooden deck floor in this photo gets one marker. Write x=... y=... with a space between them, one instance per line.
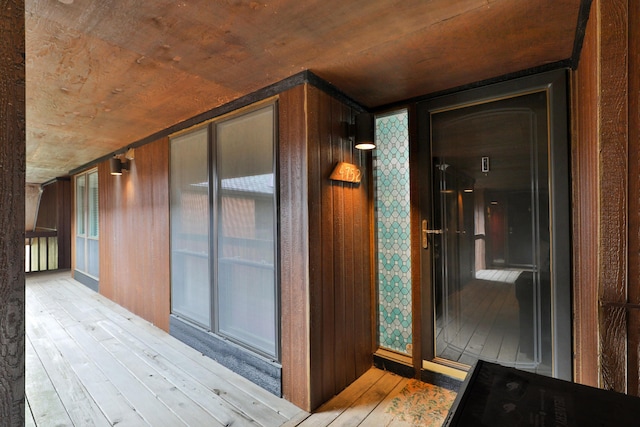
x=90 y=362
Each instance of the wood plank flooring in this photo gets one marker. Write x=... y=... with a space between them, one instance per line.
x=90 y=362
x=381 y=398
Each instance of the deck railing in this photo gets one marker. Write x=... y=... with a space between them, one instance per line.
x=41 y=251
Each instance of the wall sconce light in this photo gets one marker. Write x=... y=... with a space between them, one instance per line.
x=120 y=162
x=364 y=135
x=117 y=165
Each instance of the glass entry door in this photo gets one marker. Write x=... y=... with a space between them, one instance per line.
x=496 y=292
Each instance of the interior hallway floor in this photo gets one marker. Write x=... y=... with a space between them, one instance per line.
x=91 y=362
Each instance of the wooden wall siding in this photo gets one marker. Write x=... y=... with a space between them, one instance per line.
x=633 y=365
x=134 y=234
x=32 y=198
x=12 y=212
x=54 y=213
x=326 y=283
x=606 y=148
x=47 y=212
x=339 y=242
x=584 y=167
x=614 y=186
x=294 y=247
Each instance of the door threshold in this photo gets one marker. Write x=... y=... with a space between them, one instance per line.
x=438 y=368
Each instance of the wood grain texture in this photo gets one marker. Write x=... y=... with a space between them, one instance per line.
x=419 y=307
x=614 y=176
x=134 y=234
x=54 y=213
x=12 y=212
x=634 y=198
x=106 y=366
x=325 y=251
x=585 y=182
x=294 y=246
x=613 y=147
x=606 y=89
x=341 y=301
x=100 y=72
x=613 y=341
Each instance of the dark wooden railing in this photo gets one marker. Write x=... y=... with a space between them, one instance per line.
x=41 y=251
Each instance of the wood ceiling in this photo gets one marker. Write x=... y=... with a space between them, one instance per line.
x=102 y=74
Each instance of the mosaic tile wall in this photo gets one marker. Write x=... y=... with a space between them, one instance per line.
x=391 y=177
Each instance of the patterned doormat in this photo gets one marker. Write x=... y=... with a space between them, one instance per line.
x=422 y=404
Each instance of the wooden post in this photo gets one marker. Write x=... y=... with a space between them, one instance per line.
x=12 y=208
x=606 y=176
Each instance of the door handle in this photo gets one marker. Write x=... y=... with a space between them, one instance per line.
x=426 y=232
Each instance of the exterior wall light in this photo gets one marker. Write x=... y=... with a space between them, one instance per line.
x=364 y=135
x=120 y=162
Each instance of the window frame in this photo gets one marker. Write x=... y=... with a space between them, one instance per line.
x=214 y=227
x=83 y=214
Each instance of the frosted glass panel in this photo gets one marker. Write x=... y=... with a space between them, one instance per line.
x=81 y=183
x=81 y=265
x=392 y=203
x=93 y=258
x=246 y=277
x=93 y=204
x=190 y=283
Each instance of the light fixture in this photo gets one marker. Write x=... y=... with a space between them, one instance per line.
x=117 y=164
x=364 y=136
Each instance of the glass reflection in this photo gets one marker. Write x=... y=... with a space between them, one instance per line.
x=491 y=260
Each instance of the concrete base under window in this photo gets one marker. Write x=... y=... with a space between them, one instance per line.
x=261 y=371
x=86 y=280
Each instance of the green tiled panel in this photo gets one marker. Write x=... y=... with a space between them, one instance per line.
x=391 y=176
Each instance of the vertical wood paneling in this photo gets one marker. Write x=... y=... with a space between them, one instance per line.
x=64 y=207
x=294 y=246
x=54 y=213
x=48 y=207
x=337 y=241
x=12 y=214
x=364 y=326
x=613 y=148
x=421 y=303
x=134 y=234
x=338 y=292
x=606 y=143
x=345 y=318
x=320 y=259
x=614 y=187
x=342 y=114
x=584 y=84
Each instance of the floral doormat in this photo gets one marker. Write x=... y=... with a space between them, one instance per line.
x=422 y=404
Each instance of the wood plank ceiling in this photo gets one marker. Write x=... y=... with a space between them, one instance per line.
x=102 y=74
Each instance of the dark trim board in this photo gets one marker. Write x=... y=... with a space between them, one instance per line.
x=87 y=280
x=530 y=72
x=441 y=380
x=257 y=369
x=581 y=28
x=407 y=371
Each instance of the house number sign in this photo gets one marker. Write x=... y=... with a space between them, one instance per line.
x=346 y=172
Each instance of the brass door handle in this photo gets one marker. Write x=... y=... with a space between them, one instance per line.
x=425 y=233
